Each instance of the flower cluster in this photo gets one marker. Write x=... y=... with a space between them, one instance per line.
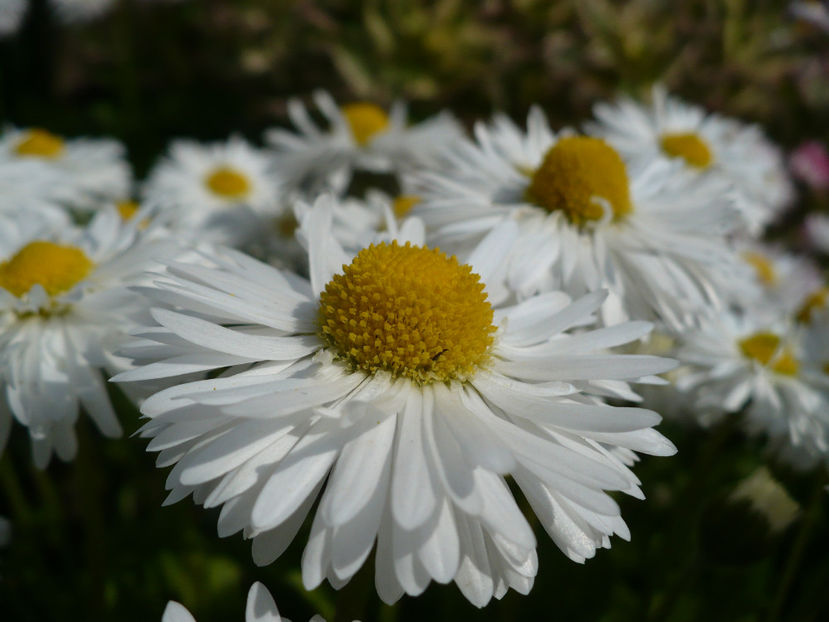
x=392 y=328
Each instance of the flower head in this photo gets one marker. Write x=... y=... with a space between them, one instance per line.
x=393 y=389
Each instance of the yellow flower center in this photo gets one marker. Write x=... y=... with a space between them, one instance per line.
x=57 y=268
x=763 y=267
x=228 y=182
x=583 y=176
x=40 y=144
x=688 y=146
x=768 y=349
x=127 y=209
x=403 y=204
x=814 y=302
x=365 y=120
x=287 y=225
x=408 y=310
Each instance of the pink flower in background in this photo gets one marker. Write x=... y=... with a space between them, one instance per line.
x=810 y=164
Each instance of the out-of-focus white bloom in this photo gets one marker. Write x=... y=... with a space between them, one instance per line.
x=92 y=171
x=653 y=236
x=11 y=15
x=814 y=11
x=781 y=282
x=706 y=143
x=817 y=232
x=219 y=192
x=359 y=136
x=63 y=304
x=32 y=190
x=773 y=371
x=80 y=10
x=392 y=389
x=260 y=608
x=768 y=498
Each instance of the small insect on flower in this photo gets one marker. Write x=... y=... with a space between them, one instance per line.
x=392 y=389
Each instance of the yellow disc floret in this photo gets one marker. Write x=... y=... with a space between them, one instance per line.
x=365 y=120
x=127 y=209
x=228 y=182
x=38 y=143
x=583 y=176
x=57 y=268
x=688 y=146
x=763 y=267
x=408 y=310
x=403 y=204
x=814 y=302
x=768 y=349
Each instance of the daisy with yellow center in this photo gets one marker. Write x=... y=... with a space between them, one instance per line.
x=776 y=284
x=588 y=220
x=703 y=143
x=365 y=120
x=37 y=143
x=59 y=323
x=228 y=183
x=585 y=178
x=689 y=146
x=223 y=192
x=769 y=350
x=770 y=375
x=56 y=268
x=358 y=136
x=391 y=392
x=84 y=174
x=410 y=311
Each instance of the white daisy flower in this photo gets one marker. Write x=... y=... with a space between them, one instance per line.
x=817 y=232
x=30 y=189
x=359 y=136
x=781 y=282
x=80 y=10
x=771 y=371
x=63 y=304
x=813 y=11
x=11 y=15
x=260 y=608
x=92 y=171
x=219 y=192
x=391 y=377
x=705 y=143
x=654 y=237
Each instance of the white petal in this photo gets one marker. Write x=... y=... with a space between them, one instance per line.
x=261 y=606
